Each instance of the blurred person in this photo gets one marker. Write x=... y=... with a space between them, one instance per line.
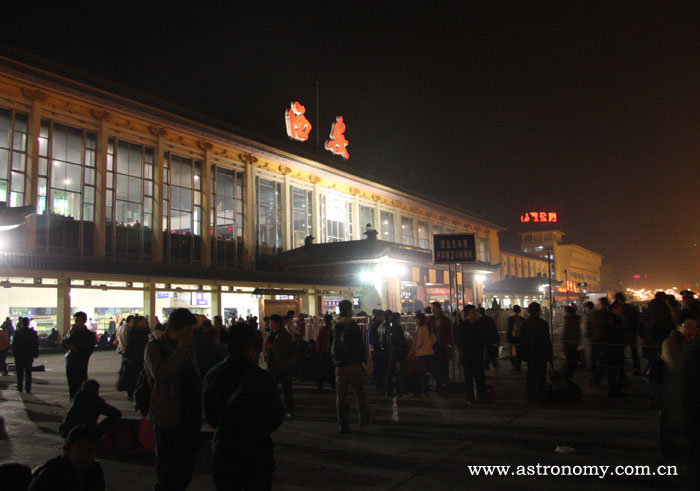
x=80 y=344
x=424 y=351
x=442 y=328
x=137 y=340
x=592 y=333
x=536 y=350
x=176 y=401
x=123 y=334
x=86 y=408
x=282 y=354
x=204 y=341
x=603 y=317
x=243 y=406
x=347 y=349
x=76 y=469
x=4 y=348
x=396 y=355
x=570 y=339
x=326 y=371
x=631 y=325
x=378 y=371
x=674 y=344
x=657 y=324
x=25 y=347
x=15 y=476
x=492 y=339
x=612 y=340
x=470 y=339
x=384 y=349
x=513 y=331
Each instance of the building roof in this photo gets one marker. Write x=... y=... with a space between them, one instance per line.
x=516 y=252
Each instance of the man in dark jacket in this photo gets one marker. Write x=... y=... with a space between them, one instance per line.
x=515 y=324
x=175 y=407
x=347 y=349
x=283 y=354
x=86 y=407
x=612 y=339
x=383 y=340
x=243 y=406
x=75 y=469
x=396 y=352
x=25 y=346
x=80 y=343
x=470 y=339
x=442 y=328
x=376 y=351
x=492 y=339
x=536 y=350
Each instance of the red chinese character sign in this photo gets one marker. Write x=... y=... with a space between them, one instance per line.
x=539 y=217
x=298 y=127
x=337 y=143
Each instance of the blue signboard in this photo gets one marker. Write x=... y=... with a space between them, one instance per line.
x=454 y=248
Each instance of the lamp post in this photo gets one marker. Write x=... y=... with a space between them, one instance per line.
x=566 y=284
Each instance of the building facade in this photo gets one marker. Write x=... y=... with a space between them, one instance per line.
x=143 y=209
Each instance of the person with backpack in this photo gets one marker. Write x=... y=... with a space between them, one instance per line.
x=347 y=349
x=242 y=404
x=86 y=408
x=25 y=347
x=397 y=350
x=175 y=403
x=536 y=350
x=283 y=354
x=513 y=330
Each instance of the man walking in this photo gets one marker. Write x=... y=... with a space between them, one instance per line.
x=536 y=350
x=282 y=352
x=80 y=343
x=176 y=401
x=25 y=346
x=348 y=353
x=442 y=328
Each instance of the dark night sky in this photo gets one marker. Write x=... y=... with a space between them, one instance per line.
x=579 y=107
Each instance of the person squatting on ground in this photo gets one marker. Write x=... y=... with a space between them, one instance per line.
x=536 y=350
x=176 y=401
x=425 y=353
x=347 y=349
x=75 y=469
x=80 y=344
x=25 y=346
x=85 y=409
x=282 y=354
x=470 y=340
x=242 y=404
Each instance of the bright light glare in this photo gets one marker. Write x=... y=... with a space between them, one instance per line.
x=366 y=276
x=393 y=269
x=479 y=278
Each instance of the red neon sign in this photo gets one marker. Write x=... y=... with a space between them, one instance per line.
x=337 y=142
x=539 y=216
x=298 y=127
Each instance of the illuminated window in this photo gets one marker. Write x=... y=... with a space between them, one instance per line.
x=367 y=217
x=423 y=240
x=269 y=207
x=226 y=214
x=182 y=209
x=13 y=156
x=386 y=219
x=300 y=201
x=407 y=231
x=66 y=188
x=484 y=253
x=336 y=218
x=129 y=200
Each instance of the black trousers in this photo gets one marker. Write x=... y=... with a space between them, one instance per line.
x=378 y=369
x=24 y=373
x=285 y=378
x=176 y=454
x=75 y=376
x=571 y=354
x=3 y=363
x=474 y=373
x=231 y=482
x=326 y=371
x=536 y=380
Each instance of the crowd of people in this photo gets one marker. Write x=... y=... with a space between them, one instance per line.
x=191 y=370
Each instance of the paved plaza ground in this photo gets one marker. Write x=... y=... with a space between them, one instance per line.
x=430 y=446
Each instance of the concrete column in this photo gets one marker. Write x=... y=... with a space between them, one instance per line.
x=216 y=306
x=32 y=174
x=357 y=228
x=100 y=238
x=249 y=218
x=149 y=301
x=157 y=243
x=206 y=191
x=63 y=314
